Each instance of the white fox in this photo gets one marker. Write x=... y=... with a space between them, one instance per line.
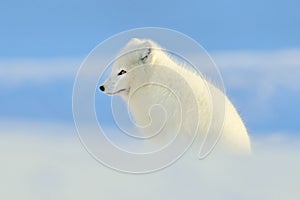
x=145 y=76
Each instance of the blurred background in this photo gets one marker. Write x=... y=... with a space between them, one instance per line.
x=255 y=44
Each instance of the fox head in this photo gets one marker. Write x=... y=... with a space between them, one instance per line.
x=130 y=67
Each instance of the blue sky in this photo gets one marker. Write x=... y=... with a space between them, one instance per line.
x=72 y=28
x=39 y=36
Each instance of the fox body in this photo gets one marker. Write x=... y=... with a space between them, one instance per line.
x=165 y=98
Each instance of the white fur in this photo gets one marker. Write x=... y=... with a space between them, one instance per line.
x=153 y=78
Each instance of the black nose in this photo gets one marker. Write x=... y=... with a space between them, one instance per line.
x=102 y=88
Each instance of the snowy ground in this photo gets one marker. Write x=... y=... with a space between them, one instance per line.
x=47 y=161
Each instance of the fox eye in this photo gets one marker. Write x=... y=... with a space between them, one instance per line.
x=121 y=72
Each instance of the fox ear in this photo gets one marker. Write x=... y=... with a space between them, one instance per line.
x=145 y=55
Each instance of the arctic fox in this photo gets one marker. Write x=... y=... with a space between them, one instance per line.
x=146 y=76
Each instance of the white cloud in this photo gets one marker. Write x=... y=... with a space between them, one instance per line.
x=239 y=68
x=18 y=71
x=47 y=161
x=268 y=69
x=268 y=59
